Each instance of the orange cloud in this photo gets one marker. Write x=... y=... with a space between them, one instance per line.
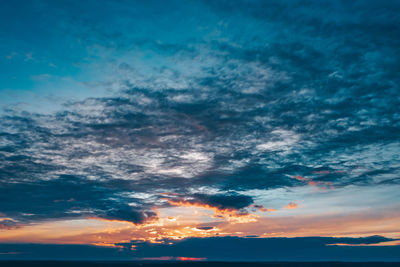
x=292 y=205
x=319 y=184
x=190 y=259
x=300 y=178
x=262 y=209
x=382 y=244
x=231 y=215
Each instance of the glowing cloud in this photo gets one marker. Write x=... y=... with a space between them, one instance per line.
x=292 y=205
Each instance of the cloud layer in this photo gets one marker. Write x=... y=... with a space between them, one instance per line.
x=250 y=96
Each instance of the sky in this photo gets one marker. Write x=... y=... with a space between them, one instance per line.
x=200 y=130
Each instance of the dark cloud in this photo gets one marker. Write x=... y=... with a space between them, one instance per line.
x=225 y=201
x=130 y=215
x=219 y=201
x=206 y=228
x=67 y=197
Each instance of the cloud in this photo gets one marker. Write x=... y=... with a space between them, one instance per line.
x=130 y=215
x=319 y=184
x=225 y=104
x=8 y=223
x=231 y=207
x=292 y=205
x=67 y=197
x=262 y=208
x=222 y=201
x=206 y=228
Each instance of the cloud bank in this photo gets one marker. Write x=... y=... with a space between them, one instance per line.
x=249 y=97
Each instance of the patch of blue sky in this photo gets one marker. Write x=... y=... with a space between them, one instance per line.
x=59 y=49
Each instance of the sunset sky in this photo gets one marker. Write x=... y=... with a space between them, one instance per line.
x=200 y=130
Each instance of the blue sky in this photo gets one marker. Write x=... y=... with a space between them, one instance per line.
x=164 y=122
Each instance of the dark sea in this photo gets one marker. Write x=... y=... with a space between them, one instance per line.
x=199 y=264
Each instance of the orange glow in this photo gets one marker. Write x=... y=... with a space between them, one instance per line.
x=6 y=219
x=170 y=258
x=179 y=222
x=190 y=259
x=382 y=244
x=292 y=205
x=109 y=220
x=231 y=215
